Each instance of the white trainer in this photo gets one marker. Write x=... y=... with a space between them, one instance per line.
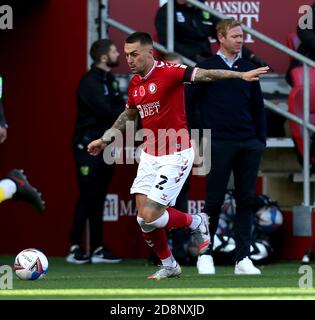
x=246 y=267
x=205 y=264
x=166 y=272
x=201 y=234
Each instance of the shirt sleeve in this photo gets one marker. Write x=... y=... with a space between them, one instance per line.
x=130 y=101
x=182 y=73
x=189 y=75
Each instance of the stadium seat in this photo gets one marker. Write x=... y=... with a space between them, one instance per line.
x=293 y=41
x=297 y=76
x=295 y=104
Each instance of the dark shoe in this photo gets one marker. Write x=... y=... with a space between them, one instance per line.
x=101 y=255
x=77 y=255
x=25 y=191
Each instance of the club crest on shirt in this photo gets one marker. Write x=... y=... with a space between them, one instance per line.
x=152 y=88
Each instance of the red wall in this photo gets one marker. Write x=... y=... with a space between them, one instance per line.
x=276 y=19
x=41 y=60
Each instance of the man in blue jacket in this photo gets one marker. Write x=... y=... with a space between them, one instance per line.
x=234 y=111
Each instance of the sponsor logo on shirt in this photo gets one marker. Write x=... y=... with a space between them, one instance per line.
x=148 y=109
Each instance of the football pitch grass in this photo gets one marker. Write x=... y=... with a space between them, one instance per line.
x=127 y=280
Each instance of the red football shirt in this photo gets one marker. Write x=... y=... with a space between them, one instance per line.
x=159 y=97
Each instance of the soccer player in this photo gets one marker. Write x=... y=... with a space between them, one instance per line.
x=15 y=184
x=156 y=92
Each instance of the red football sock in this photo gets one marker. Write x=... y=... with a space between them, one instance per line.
x=157 y=240
x=178 y=219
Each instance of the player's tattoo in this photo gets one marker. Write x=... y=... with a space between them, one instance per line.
x=154 y=205
x=212 y=75
x=120 y=124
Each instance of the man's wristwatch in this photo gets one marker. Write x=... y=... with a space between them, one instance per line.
x=107 y=137
x=104 y=139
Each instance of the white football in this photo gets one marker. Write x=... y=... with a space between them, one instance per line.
x=31 y=264
x=260 y=250
x=269 y=219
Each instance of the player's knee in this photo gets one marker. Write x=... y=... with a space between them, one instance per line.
x=150 y=214
x=144 y=227
x=140 y=221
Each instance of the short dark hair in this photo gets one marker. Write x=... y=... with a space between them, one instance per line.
x=142 y=37
x=99 y=48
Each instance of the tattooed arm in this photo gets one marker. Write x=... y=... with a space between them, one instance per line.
x=120 y=124
x=213 y=75
x=96 y=146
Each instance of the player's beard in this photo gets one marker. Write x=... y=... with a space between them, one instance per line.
x=111 y=63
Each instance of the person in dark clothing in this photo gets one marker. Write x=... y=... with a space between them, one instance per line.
x=99 y=102
x=3 y=121
x=234 y=111
x=307 y=37
x=192 y=29
x=306 y=47
x=15 y=184
x=3 y=124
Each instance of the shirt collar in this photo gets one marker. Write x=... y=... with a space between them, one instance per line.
x=98 y=70
x=226 y=60
x=150 y=71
